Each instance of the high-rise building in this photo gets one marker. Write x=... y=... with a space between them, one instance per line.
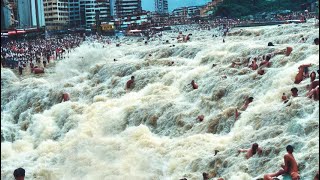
x=93 y=12
x=30 y=13
x=161 y=6
x=128 y=7
x=6 y=18
x=74 y=13
x=56 y=14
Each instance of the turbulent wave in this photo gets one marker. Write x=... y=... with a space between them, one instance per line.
x=152 y=132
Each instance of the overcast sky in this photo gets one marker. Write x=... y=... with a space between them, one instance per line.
x=149 y=4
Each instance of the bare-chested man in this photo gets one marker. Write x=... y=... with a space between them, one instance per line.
x=314 y=93
x=290 y=167
x=244 y=107
x=252 y=151
x=303 y=72
x=254 y=65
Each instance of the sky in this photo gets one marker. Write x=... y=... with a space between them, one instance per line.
x=149 y=4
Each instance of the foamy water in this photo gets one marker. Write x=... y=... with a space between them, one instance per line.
x=151 y=133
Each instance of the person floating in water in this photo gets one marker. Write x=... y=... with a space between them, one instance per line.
x=290 y=167
x=130 y=83
x=255 y=149
x=314 y=94
x=244 y=107
x=294 y=92
x=194 y=85
x=19 y=174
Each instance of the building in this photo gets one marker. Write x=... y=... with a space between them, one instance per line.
x=128 y=7
x=74 y=14
x=161 y=6
x=180 y=12
x=193 y=11
x=56 y=14
x=94 y=12
x=6 y=18
x=30 y=14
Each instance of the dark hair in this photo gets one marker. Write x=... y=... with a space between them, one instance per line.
x=255 y=147
x=290 y=149
x=19 y=172
x=132 y=77
x=268 y=58
x=294 y=89
x=270 y=44
x=250 y=98
x=316 y=40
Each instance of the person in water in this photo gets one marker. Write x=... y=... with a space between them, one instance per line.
x=294 y=92
x=303 y=72
x=207 y=176
x=284 y=98
x=254 y=65
x=266 y=62
x=65 y=97
x=317 y=176
x=200 y=118
x=290 y=167
x=194 y=85
x=314 y=94
x=244 y=107
x=130 y=83
x=313 y=76
x=19 y=174
x=316 y=41
x=255 y=149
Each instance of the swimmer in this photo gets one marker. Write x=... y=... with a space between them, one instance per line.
x=194 y=85
x=252 y=151
x=254 y=65
x=19 y=174
x=303 y=72
x=200 y=118
x=294 y=92
x=313 y=76
x=244 y=107
x=261 y=72
x=266 y=62
x=314 y=93
x=316 y=41
x=129 y=83
x=290 y=167
x=286 y=51
x=65 y=97
x=284 y=98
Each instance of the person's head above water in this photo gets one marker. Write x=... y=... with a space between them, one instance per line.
x=270 y=44
x=250 y=99
x=19 y=174
x=132 y=77
x=316 y=41
x=255 y=147
x=268 y=58
x=289 y=149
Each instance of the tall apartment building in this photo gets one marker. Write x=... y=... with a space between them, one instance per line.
x=74 y=13
x=91 y=10
x=30 y=13
x=56 y=14
x=161 y=6
x=128 y=7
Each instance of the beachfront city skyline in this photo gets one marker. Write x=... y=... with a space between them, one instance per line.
x=149 y=4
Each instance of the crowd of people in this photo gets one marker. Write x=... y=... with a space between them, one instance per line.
x=35 y=54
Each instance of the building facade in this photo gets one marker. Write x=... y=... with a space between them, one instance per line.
x=56 y=14
x=30 y=14
x=128 y=7
x=161 y=6
x=94 y=12
x=74 y=14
